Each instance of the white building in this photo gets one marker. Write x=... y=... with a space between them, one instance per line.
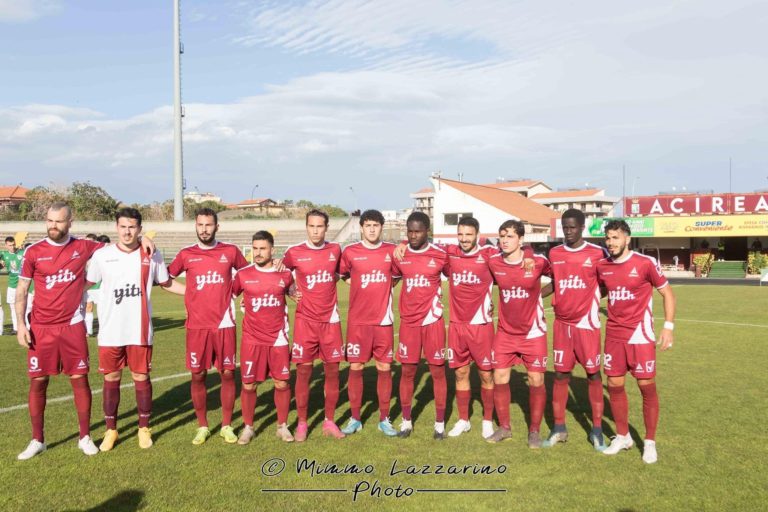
x=490 y=205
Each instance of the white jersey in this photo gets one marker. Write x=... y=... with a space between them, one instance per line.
x=125 y=310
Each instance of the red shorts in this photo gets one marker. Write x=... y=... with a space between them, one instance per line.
x=258 y=361
x=316 y=340
x=620 y=356
x=509 y=350
x=209 y=347
x=468 y=342
x=58 y=349
x=572 y=344
x=366 y=341
x=138 y=358
x=429 y=338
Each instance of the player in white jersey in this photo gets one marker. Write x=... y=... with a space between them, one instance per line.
x=127 y=274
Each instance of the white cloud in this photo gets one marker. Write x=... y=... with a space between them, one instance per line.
x=564 y=94
x=19 y=11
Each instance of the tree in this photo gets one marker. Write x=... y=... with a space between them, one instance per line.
x=89 y=202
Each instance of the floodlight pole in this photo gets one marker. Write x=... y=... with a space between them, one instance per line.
x=178 y=179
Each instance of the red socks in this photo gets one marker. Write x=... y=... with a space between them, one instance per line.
x=537 y=400
x=143 y=400
x=596 y=401
x=303 y=375
x=440 y=390
x=463 y=398
x=650 y=410
x=355 y=392
x=486 y=395
x=227 y=397
x=619 y=408
x=560 y=399
x=82 y=393
x=282 y=403
x=37 y=391
x=248 y=404
x=502 y=396
x=407 y=382
x=384 y=392
x=331 y=387
x=111 y=402
x=199 y=397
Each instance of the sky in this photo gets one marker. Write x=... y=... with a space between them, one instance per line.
x=357 y=102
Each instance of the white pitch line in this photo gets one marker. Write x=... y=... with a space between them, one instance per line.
x=714 y=322
x=94 y=391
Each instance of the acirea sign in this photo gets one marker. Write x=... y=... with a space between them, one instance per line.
x=697 y=204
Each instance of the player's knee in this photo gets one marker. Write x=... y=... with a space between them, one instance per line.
x=462 y=373
x=595 y=376
x=486 y=376
x=279 y=384
x=535 y=379
x=139 y=377
x=199 y=376
x=615 y=381
x=383 y=367
x=114 y=376
x=645 y=382
x=562 y=375
x=356 y=366
x=251 y=386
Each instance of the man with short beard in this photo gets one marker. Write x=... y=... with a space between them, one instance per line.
x=211 y=333
x=56 y=341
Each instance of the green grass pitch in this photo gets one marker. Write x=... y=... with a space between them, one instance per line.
x=711 y=439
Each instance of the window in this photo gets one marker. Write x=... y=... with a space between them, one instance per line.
x=452 y=219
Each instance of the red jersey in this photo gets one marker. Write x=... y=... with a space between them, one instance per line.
x=369 y=270
x=576 y=299
x=315 y=270
x=58 y=272
x=471 y=284
x=630 y=285
x=421 y=292
x=209 y=283
x=521 y=309
x=266 y=313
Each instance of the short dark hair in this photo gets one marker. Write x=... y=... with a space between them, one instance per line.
x=314 y=212
x=264 y=235
x=372 y=215
x=61 y=205
x=10 y=239
x=91 y=236
x=207 y=212
x=577 y=215
x=418 y=217
x=515 y=225
x=128 y=213
x=471 y=222
x=617 y=225
x=103 y=239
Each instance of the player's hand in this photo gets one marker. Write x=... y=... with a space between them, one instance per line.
x=399 y=252
x=296 y=296
x=148 y=245
x=528 y=264
x=24 y=337
x=278 y=265
x=665 y=340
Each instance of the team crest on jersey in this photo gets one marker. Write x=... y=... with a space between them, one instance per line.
x=438 y=355
x=336 y=353
x=634 y=272
x=75 y=255
x=639 y=368
x=431 y=263
x=486 y=361
x=81 y=365
x=587 y=263
x=227 y=360
x=285 y=369
x=331 y=257
x=590 y=363
x=281 y=284
x=537 y=363
x=387 y=258
x=480 y=259
x=223 y=259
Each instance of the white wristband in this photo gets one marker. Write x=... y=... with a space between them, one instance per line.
x=669 y=325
